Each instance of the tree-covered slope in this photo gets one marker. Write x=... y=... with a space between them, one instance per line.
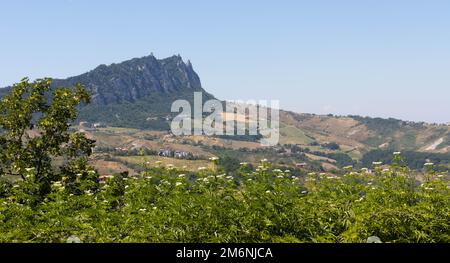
x=135 y=93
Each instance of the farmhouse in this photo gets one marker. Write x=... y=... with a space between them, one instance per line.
x=301 y=165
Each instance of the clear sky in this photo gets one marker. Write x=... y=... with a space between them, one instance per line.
x=379 y=58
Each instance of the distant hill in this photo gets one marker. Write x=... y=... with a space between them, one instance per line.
x=357 y=135
x=136 y=93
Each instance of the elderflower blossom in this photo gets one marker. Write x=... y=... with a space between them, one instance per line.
x=57 y=184
x=360 y=199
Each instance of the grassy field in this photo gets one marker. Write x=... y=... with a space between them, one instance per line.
x=293 y=135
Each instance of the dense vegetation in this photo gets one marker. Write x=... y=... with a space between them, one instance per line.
x=36 y=134
x=342 y=159
x=414 y=160
x=48 y=192
x=261 y=205
x=383 y=126
x=152 y=112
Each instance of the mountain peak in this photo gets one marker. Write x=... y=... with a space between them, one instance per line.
x=137 y=78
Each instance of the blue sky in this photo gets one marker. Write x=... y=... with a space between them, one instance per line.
x=376 y=58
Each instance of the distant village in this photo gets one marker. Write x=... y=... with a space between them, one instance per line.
x=175 y=154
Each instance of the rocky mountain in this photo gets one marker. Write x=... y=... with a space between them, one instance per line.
x=136 y=93
x=137 y=78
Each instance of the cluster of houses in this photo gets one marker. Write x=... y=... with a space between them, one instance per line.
x=175 y=154
x=164 y=153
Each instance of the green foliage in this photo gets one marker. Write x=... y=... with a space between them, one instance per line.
x=262 y=205
x=331 y=146
x=383 y=126
x=150 y=112
x=229 y=164
x=342 y=159
x=36 y=132
x=414 y=160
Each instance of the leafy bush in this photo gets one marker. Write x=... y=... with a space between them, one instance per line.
x=256 y=205
x=331 y=146
x=414 y=160
x=36 y=132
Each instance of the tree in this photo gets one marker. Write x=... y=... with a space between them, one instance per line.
x=229 y=164
x=35 y=122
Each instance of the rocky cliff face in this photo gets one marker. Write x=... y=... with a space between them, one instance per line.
x=137 y=78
